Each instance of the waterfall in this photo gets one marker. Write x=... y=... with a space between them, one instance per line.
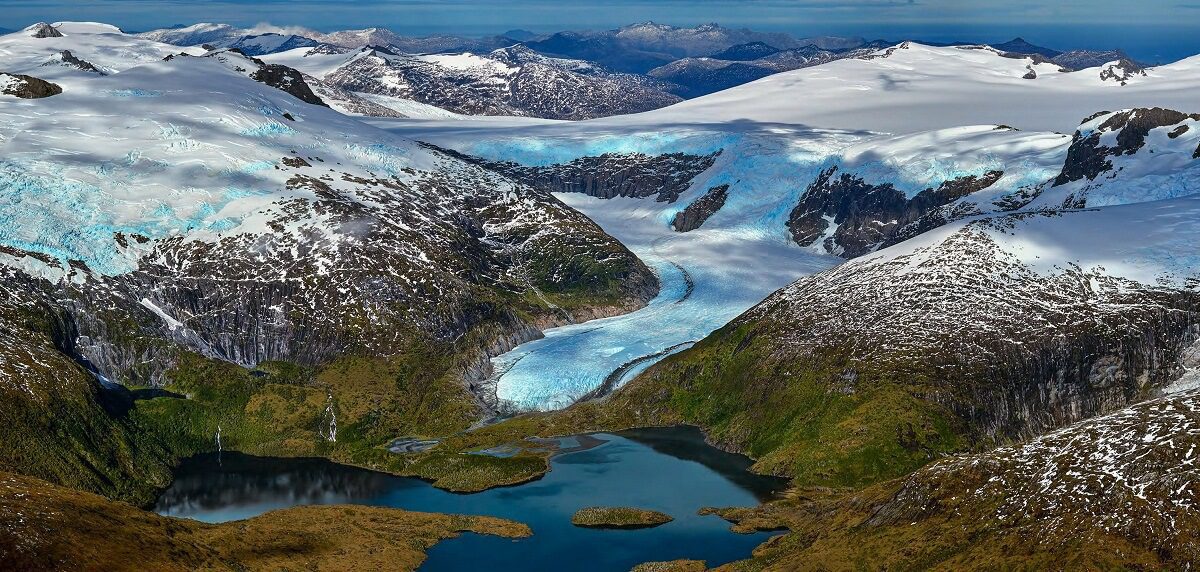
x=332 y=437
x=219 y=439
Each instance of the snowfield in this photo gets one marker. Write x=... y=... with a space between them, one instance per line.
x=914 y=117
x=918 y=88
x=198 y=160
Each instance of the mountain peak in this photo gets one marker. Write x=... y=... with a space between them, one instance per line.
x=1019 y=45
x=43 y=30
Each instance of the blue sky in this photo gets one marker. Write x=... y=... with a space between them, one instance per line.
x=1155 y=30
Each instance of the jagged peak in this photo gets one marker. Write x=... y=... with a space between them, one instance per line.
x=43 y=30
x=1104 y=137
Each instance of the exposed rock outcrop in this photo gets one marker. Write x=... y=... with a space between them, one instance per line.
x=44 y=30
x=606 y=176
x=66 y=58
x=1088 y=157
x=865 y=216
x=27 y=87
x=1121 y=71
x=692 y=217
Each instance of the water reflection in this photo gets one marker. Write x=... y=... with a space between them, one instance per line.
x=225 y=486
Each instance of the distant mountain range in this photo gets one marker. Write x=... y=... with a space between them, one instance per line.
x=573 y=74
x=510 y=81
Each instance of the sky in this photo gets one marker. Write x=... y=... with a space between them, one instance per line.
x=1151 y=30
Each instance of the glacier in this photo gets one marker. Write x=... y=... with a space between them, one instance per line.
x=708 y=276
x=739 y=255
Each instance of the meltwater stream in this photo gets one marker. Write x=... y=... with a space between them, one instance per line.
x=671 y=470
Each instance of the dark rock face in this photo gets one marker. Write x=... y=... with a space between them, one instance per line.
x=278 y=76
x=1196 y=155
x=70 y=59
x=287 y=79
x=44 y=30
x=692 y=217
x=869 y=216
x=28 y=87
x=1087 y=158
x=1122 y=72
x=609 y=175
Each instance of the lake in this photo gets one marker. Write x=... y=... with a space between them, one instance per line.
x=667 y=469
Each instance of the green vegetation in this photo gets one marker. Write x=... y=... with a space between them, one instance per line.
x=283 y=410
x=44 y=527
x=618 y=517
x=799 y=418
x=61 y=426
x=868 y=529
x=671 y=566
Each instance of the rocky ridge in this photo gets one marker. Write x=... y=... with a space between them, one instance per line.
x=693 y=217
x=609 y=175
x=508 y=81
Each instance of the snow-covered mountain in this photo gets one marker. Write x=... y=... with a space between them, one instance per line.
x=261 y=44
x=266 y=39
x=196 y=34
x=843 y=187
x=508 y=81
x=78 y=51
x=210 y=207
x=913 y=87
x=1021 y=244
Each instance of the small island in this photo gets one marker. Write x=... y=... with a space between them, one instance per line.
x=619 y=517
x=671 y=566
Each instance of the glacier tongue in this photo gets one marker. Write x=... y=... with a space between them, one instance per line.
x=708 y=277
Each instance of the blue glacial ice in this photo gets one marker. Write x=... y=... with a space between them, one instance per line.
x=708 y=276
x=737 y=258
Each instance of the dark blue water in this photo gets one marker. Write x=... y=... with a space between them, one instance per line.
x=671 y=470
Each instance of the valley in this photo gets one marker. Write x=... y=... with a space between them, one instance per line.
x=915 y=306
